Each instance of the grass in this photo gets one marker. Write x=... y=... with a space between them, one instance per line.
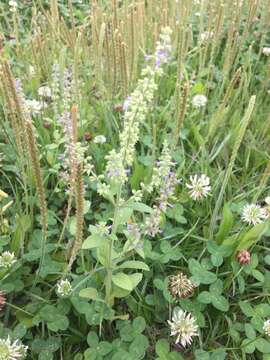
x=101 y=131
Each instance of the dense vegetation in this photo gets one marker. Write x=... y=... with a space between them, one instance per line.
x=134 y=179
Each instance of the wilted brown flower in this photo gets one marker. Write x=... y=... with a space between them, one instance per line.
x=118 y=107
x=180 y=286
x=243 y=257
x=88 y=136
x=2 y=299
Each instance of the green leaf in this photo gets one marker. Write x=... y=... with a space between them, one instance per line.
x=124 y=215
x=92 y=339
x=262 y=345
x=89 y=293
x=23 y=224
x=139 y=324
x=200 y=275
x=219 y=354
x=141 y=207
x=252 y=236
x=162 y=348
x=94 y=241
x=248 y=346
x=90 y=354
x=216 y=287
x=204 y=297
x=135 y=278
x=123 y=281
x=246 y=308
x=202 y=355
x=132 y=264
x=250 y=332
x=226 y=224
x=220 y=302
x=257 y=275
x=104 y=348
x=138 y=346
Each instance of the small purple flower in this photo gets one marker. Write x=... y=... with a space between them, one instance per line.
x=126 y=103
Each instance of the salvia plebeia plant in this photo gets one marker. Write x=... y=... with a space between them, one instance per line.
x=114 y=249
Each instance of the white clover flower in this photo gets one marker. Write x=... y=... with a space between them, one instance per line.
x=267 y=207
x=266 y=51
x=206 y=35
x=64 y=288
x=253 y=214
x=45 y=92
x=99 y=139
x=183 y=326
x=13 y=5
x=33 y=106
x=12 y=351
x=266 y=327
x=199 y=186
x=199 y=101
x=7 y=259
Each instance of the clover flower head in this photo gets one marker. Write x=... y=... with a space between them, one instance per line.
x=7 y=259
x=267 y=207
x=253 y=214
x=33 y=106
x=13 y=5
x=64 y=288
x=12 y=350
x=266 y=327
x=45 y=92
x=266 y=51
x=199 y=101
x=180 y=286
x=199 y=186
x=99 y=139
x=183 y=326
x=243 y=257
x=206 y=35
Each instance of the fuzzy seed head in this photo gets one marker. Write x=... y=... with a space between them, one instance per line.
x=180 y=286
